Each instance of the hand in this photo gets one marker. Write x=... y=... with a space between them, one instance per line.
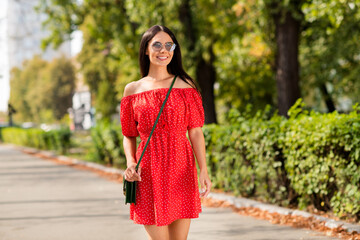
x=205 y=183
x=131 y=175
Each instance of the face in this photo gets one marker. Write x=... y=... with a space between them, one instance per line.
x=159 y=49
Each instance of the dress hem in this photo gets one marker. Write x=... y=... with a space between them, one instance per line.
x=171 y=221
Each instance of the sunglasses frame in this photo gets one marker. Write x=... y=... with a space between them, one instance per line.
x=172 y=47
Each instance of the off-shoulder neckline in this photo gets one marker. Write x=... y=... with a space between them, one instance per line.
x=151 y=90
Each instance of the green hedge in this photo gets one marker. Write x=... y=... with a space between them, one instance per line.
x=58 y=140
x=1 y=128
x=246 y=159
x=308 y=159
x=107 y=141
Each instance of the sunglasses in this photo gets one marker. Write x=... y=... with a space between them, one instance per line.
x=169 y=46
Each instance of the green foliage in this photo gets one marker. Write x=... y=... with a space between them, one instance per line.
x=323 y=156
x=248 y=159
x=26 y=90
x=58 y=140
x=42 y=91
x=107 y=140
x=329 y=52
x=108 y=59
x=106 y=101
x=61 y=74
x=308 y=159
x=245 y=56
x=239 y=33
x=1 y=138
x=112 y=32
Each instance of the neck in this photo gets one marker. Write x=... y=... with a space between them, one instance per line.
x=158 y=72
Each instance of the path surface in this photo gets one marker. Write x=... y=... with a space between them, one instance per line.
x=40 y=200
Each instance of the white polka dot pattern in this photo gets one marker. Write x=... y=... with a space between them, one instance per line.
x=169 y=187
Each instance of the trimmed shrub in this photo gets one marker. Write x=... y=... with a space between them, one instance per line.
x=59 y=140
x=322 y=158
x=246 y=158
x=308 y=159
x=107 y=139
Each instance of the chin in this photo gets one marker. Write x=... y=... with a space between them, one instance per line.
x=162 y=63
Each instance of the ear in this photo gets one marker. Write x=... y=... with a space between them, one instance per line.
x=147 y=52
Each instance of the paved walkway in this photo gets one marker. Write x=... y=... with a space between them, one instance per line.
x=40 y=200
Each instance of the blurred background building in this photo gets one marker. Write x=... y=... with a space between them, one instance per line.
x=81 y=113
x=21 y=33
x=25 y=32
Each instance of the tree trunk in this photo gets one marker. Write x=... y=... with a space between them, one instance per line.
x=186 y=19
x=206 y=76
x=205 y=71
x=327 y=97
x=287 y=35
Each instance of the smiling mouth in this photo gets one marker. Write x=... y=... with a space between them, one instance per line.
x=162 y=58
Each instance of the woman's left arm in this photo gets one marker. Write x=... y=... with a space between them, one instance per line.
x=198 y=143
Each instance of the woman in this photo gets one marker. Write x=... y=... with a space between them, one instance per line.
x=167 y=194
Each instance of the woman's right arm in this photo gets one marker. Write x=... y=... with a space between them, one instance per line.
x=129 y=144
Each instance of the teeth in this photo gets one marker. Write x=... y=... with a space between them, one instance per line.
x=162 y=58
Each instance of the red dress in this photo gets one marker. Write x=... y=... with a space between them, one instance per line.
x=169 y=185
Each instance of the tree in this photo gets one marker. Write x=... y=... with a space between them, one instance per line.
x=121 y=23
x=104 y=25
x=247 y=48
x=325 y=33
x=42 y=91
x=25 y=89
x=245 y=60
x=287 y=17
x=329 y=53
x=62 y=78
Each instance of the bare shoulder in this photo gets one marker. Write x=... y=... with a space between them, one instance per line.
x=129 y=89
x=134 y=87
x=180 y=83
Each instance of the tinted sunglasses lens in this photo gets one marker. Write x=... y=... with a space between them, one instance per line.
x=170 y=46
x=157 y=46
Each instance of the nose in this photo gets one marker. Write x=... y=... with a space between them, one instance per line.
x=163 y=49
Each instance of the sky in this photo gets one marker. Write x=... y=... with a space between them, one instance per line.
x=76 y=45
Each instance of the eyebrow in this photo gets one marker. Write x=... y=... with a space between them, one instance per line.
x=161 y=42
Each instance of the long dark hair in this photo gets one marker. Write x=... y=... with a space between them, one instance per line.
x=174 y=67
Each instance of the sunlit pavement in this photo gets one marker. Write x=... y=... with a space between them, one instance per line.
x=40 y=200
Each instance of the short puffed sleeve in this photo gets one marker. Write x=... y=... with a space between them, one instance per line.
x=195 y=111
x=127 y=118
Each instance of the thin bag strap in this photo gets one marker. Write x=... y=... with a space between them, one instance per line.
x=156 y=121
